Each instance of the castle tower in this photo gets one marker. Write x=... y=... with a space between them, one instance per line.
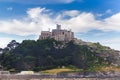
x=58 y=27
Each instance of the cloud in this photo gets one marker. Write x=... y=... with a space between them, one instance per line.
x=87 y=21
x=71 y=13
x=32 y=24
x=3 y=41
x=99 y=15
x=109 y=11
x=112 y=23
x=18 y=27
x=113 y=43
x=40 y=1
x=38 y=19
x=10 y=8
x=82 y=22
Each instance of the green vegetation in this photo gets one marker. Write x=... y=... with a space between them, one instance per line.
x=49 y=54
x=104 y=69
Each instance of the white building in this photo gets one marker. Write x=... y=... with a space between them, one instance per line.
x=26 y=73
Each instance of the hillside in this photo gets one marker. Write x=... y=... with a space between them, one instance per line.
x=111 y=56
x=48 y=54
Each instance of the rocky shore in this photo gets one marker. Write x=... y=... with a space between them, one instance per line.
x=66 y=76
x=110 y=74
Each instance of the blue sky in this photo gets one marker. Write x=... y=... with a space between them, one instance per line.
x=91 y=20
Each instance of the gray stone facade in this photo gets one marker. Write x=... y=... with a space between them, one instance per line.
x=58 y=34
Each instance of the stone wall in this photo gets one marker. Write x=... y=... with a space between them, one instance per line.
x=52 y=77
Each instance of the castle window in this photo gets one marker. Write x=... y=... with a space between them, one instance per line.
x=62 y=32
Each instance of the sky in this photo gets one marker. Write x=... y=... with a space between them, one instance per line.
x=91 y=20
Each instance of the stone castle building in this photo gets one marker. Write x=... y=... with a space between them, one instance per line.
x=58 y=34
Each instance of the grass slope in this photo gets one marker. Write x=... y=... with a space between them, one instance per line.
x=96 y=69
x=59 y=70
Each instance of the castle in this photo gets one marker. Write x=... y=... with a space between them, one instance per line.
x=58 y=34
